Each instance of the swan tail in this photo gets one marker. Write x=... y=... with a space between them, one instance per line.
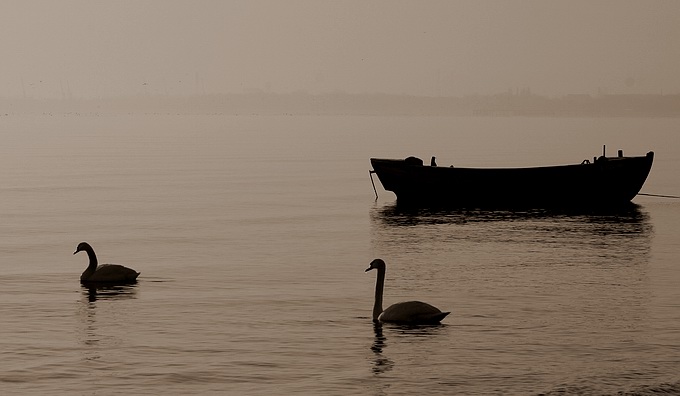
x=439 y=317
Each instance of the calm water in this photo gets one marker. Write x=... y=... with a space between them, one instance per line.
x=252 y=235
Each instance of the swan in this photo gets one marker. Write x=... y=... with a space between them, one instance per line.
x=408 y=312
x=105 y=273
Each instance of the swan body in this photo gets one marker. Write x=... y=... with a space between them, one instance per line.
x=105 y=273
x=408 y=312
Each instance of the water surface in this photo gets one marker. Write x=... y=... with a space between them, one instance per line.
x=252 y=235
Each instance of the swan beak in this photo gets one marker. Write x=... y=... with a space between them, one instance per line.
x=368 y=269
x=76 y=251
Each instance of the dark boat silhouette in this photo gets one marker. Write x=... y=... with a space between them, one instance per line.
x=604 y=182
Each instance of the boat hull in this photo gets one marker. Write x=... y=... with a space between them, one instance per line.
x=607 y=181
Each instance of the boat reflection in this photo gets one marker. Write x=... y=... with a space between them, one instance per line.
x=615 y=232
x=396 y=215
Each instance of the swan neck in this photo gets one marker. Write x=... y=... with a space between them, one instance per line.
x=379 y=286
x=93 y=259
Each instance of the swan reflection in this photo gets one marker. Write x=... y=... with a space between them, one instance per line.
x=381 y=364
x=103 y=291
x=408 y=334
x=97 y=330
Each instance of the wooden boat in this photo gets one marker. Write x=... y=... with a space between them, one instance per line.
x=606 y=181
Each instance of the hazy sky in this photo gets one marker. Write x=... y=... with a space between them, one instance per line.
x=102 y=48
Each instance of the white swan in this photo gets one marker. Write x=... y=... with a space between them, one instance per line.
x=105 y=273
x=408 y=312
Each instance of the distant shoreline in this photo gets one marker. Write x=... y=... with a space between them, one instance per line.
x=522 y=104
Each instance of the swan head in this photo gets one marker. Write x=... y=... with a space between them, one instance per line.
x=376 y=264
x=83 y=246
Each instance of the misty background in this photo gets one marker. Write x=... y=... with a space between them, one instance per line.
x=98 y=49
x=173 y=136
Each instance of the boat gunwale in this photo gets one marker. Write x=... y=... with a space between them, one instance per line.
x=599 y=160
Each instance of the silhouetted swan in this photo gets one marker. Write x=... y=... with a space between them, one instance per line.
x=408 y=312
x=105 y=273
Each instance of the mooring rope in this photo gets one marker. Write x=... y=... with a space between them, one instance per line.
x=660 y=195
x=370 y=173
